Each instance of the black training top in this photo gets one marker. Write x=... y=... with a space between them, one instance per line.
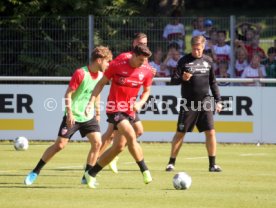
x=203 y=79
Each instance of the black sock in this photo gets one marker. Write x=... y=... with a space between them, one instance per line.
x=142 y=165
x=172 y=161
x=94 y=170
x=212 y=161
x=88 y=167
x=39 y=166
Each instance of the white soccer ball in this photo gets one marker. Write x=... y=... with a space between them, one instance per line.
x=21 y=143
x=182 y=181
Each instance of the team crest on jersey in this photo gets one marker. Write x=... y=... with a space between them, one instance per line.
x=205 y=64
x=141 y=76
x=122 y=80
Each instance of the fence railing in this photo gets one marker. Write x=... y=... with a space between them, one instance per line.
x=159 y=79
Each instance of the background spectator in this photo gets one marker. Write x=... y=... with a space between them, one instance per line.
x=200 y=30
x=254 y=70
x=270 y=64
x=242 y=28
x=222 y=50
x=222 y=73
x=241 y=61
x=255 y=48
x=175 y=31
x=156 y=63
x=172 y=58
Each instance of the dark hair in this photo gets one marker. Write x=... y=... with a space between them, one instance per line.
x=139 y=35
x=271 y=50
x=176 y=13
x=222 y=31
x=173 y=45
x=142 y=49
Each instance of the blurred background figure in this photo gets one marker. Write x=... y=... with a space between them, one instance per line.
x=270 y=64
x=161 y=70
x=175 y=31
x=241 y=61
x=171 y=59
x=200 y=30
x=254 y=70
x=222 y=72
x=222 y=49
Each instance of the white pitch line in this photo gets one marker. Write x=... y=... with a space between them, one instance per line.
x=195 y=158
x=253 y=154
x=68 y=167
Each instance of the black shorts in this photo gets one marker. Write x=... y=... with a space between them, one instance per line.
x=189 y=118
x=84 y=128
x=117 y=117
x=136 y=119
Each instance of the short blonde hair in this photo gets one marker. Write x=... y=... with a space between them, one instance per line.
x=101 y=52
x=198 y=39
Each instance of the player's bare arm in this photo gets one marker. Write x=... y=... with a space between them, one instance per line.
x=99 y=87
x=218 y=107
x=70 y=120
x=98 y=107
x=144 y=97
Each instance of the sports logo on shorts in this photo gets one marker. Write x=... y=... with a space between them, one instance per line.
x=116 y=117
x=64 y=131
x=181 y=126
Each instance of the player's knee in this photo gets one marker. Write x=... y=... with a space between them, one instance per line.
x=97 y=144
x=178 y=136
x=138 y=130
x=120 y=147
x=59 y=146
x=139 y=133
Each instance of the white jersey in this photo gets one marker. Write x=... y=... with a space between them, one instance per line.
x=250 y=72
x=171 y=30
x=240 y=66
x=223 y=53
x=197 y=32
x=174 y=33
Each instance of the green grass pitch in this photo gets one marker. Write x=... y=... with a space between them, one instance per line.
x=248 y=178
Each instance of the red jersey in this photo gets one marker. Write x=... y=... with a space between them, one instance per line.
x=251 y=51
x=126 y=56
x=125 y=86
x=78 y=76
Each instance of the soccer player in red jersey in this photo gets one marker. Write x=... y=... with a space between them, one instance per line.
x=127 y=77
x=107 y=137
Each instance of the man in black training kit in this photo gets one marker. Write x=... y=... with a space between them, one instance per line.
x=196 y=75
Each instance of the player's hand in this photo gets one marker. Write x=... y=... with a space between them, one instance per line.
x=98 y=118
x=70 y=120
x=88 y=109
x=186 y=76
x=218 y=107
x=136 y=106
x=153 y=71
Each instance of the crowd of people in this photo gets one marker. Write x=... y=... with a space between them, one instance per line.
x=250 y=59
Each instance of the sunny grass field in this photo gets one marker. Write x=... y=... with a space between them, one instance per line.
x=248 y=178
